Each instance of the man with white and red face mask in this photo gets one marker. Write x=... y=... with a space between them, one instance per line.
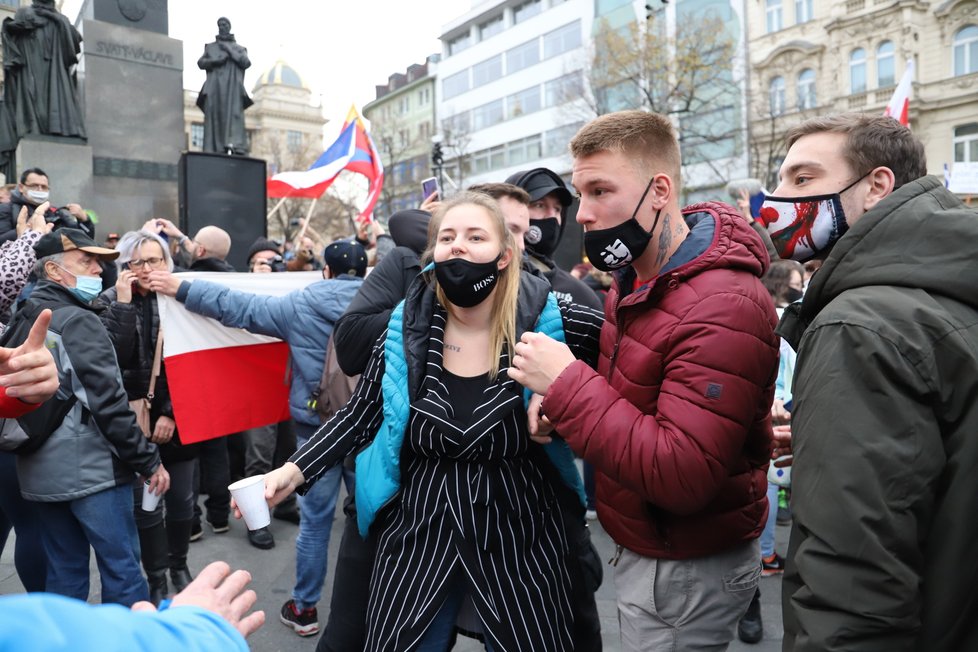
x=884 y=491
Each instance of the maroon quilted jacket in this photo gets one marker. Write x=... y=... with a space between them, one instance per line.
x=676 y=420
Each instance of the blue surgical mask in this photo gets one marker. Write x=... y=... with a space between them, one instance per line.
x=86 y=287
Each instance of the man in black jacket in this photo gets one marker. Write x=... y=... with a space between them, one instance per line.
x=549 y=201
x=81 y=477
x=32 y=191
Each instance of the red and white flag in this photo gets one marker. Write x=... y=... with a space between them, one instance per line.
x=899 y=106
x=225 y=380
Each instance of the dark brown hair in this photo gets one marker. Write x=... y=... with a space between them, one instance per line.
x=778 y=277
x=500 y=190
x=871 y=141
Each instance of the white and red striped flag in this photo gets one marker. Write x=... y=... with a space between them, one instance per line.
x=224 y=380
x=899 y=106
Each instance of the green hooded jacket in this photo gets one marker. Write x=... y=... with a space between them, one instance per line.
x=884 y=543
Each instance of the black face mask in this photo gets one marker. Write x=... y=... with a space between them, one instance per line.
x=465 y=283
x=543 y=236
x=793 y=294
x=614 y=248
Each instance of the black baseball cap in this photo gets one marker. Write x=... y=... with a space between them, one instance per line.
x=62 y=240
x=540 y=182
x=346 y=257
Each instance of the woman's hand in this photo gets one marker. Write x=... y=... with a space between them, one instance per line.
x=123 y=286
x=278 y=485
x=163 y=430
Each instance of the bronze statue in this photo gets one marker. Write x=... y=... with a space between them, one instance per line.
x=223 y=97
x=40 y=48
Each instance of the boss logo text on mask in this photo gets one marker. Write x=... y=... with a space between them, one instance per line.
x=486 y=282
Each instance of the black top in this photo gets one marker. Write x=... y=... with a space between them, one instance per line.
x=464 y=393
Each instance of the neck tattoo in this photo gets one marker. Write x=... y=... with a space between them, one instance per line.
x=452 y=347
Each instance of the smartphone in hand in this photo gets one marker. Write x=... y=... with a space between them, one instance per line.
x=430 y=186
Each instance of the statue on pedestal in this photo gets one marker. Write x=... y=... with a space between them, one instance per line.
x=40 y=48
x=223 y=97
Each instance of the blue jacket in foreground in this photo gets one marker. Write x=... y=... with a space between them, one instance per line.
x=43 y=622
x=303 y=319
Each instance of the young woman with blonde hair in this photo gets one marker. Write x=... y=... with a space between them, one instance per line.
x=462 y=500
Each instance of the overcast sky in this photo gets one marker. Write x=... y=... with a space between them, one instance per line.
x=341 y=49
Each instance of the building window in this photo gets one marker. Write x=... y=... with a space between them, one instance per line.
x=526 y=10
x=459 y=43
x=491 y=27
x=966 y=143
x=526 y=101
x=404 y=105
x=522 y=56
x=803 y=11
x=424 y=96
x=857 y=71
x=563 y=89
x=524 y=150
x=197 y=135
x=774 y=16
x=885 y=72
x=455 y=84
x=806 y=90
x=487 y=115
x=293 y=140
x=563 y=39
x=966 y=50
x=457 y=124
x=487 y=71
x=424 y=130
x=556 y=140
x=776 y=96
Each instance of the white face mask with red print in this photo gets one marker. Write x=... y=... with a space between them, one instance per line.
x=801 y=227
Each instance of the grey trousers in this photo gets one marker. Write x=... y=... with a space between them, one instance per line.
x=689 y=604
x=267 y=448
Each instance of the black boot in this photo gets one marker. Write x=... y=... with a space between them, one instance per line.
x=178 y=536
x=750 y=629
x=153 y=546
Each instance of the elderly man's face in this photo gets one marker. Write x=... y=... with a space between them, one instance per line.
x=224 y=26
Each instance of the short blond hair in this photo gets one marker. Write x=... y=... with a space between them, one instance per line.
x=647 y=137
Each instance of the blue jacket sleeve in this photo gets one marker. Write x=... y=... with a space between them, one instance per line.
x=43 y=622
x=257 y=313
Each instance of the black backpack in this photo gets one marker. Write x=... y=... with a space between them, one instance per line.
x=38 y=425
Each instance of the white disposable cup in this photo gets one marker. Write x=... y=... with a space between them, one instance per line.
x=150 y=500
x=780 y=475
x=249 y=496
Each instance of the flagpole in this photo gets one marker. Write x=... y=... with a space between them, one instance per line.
x=271 y=212
x=305 y=223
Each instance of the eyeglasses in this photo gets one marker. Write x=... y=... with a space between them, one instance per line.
x=36 y=186
x=152 y=262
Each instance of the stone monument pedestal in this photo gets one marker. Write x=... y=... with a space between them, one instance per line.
x=66 y=161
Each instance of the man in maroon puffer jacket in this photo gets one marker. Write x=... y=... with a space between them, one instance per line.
x=676 y=418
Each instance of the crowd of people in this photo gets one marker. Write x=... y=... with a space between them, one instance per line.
x=449 y=374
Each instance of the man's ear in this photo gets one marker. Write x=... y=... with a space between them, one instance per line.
x=661 y=191
x=881 y=184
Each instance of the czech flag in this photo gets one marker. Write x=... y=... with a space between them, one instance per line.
x=366 y=161
x=899 y=106
x=353 y=150
x=224 y=380
x=312 y=183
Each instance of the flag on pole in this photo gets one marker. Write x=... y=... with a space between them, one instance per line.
x=899 y=106
x=366 y=161
x=225 y=380
x=312 y=183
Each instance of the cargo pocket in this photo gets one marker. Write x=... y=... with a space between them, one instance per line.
x=743 y=578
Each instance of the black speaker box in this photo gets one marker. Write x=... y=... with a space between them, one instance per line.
x=227 y=192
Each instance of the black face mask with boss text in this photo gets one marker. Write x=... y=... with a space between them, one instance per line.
x=465 y=283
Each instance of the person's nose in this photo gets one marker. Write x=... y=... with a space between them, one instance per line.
x=584 y=215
